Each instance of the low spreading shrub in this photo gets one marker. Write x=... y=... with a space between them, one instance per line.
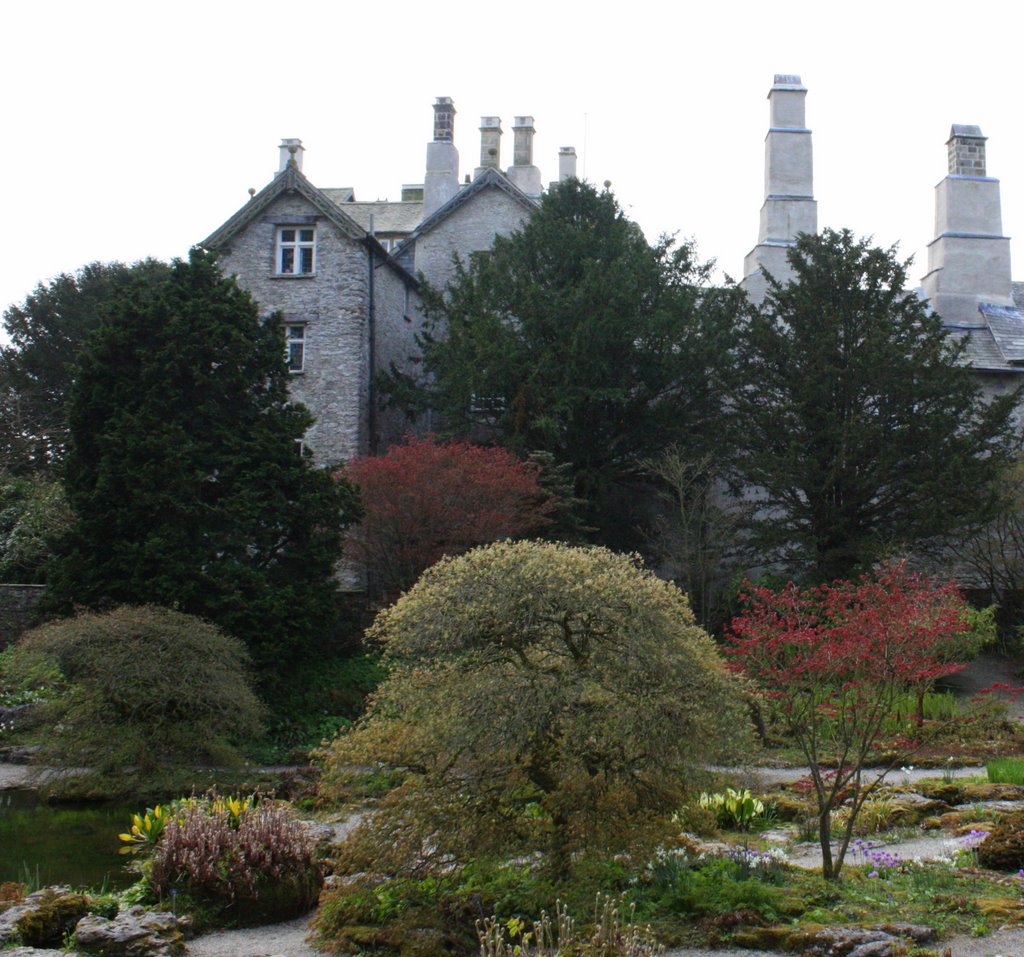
x=246 y=861
x=142 y=687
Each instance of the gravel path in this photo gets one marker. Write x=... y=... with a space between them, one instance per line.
x=285 y=940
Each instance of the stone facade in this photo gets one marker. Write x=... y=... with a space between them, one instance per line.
x=17 y=611
x=352 y=309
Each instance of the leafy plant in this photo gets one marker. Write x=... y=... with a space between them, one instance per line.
x=424 y=499
x=734 y=808
x=146 y=828
x=615 y=934
x=250 y=860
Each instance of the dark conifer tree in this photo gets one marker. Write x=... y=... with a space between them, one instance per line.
x=858 y=420
x=37 y=366
x=576 y=337
x=183 y=471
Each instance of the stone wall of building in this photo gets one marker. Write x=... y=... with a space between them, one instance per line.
x=331 y=305
x=471 y=228
x=17 y=611
x=399 y=319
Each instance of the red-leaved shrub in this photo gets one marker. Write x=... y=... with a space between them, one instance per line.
x=424 y=500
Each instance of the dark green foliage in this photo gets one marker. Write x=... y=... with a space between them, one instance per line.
x=37 y=368
x=34 y=514
x=857 y=419
x=183 y=472
x=717 y=885
x=147 y=687
x=575 y=336
x=322 y=696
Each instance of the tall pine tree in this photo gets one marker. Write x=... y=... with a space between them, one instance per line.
x=183 y=472
x=858 y=420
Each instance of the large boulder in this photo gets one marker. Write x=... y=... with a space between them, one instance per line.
x=44 y=918
x=135 y=932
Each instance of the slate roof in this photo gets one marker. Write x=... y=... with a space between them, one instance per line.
x=996 y=342
x=387 y=217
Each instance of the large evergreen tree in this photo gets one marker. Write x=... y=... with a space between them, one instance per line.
x=858 y=422
x=183 y=471
x=575 y=336
x=37 y=366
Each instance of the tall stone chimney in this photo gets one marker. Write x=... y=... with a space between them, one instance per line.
x=566 y=163
x=286 y=152
x=969 y=259
x=789 y=207
x=441 y=181
x=523 y=173
x=490 y=144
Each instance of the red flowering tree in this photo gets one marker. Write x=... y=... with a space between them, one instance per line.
x=835 y=659
x=424 y=500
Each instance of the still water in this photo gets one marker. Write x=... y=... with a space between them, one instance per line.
x=62 y=843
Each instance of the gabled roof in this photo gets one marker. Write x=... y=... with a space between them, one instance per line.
x=490 y=178
x=996 y=342
x=291 y=180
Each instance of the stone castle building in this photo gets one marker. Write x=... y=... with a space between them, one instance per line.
x=344 y=274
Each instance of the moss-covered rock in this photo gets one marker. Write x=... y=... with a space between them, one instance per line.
x=43 y=918
x=972 y=793
x=909 y=807
x=948 y=791
x=790 y=807
x=817 y=940
x=1003 y=849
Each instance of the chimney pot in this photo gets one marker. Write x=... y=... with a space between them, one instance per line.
x=566 y=163
x=966 y=148
x=490 y=143
x=522 y=148
x=444 y=120
x=441 y=180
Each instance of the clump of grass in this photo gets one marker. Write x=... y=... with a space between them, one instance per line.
x=1006 y=770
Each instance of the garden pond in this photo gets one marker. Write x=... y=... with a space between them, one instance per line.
x=72 y=844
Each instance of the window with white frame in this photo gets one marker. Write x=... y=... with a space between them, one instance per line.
x=295 y=347
x=296 y=250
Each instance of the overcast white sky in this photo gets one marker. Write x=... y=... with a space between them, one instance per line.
x=134 y=129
